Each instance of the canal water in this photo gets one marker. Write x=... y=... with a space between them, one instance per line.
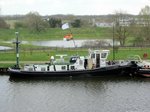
x=5 y=48
x=109 y=94
x=69 y=44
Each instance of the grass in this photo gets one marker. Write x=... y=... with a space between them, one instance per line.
x=123 y=53
x=38 y=55
x=55 y=34
x=44 y=55
x=6 y=65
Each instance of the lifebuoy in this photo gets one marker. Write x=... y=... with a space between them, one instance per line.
x=147 y=66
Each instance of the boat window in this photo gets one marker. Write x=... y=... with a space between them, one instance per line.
x=30 y=69
x=92 y=55
x=81 y=62
x=73 y=59
x=63 y=67
x=43 y=69
x=72 y=68
x=103 y=55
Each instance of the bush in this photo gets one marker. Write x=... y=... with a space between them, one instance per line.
x=76 y=23
x=19 y=25
x=3 y=24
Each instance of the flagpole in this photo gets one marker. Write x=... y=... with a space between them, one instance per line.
x=72 y=38
x=74 y=43
x=66 y=26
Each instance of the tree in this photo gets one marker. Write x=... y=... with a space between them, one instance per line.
x=18 y=24
x=76 y=23
x=144 y=23
x=53 y=22
x=3 y=24
x=121 y=24
x=34 y=22
x=134 y=32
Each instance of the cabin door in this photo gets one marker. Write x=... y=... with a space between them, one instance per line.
x=97 y=60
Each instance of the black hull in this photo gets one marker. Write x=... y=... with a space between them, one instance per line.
x=115 y=70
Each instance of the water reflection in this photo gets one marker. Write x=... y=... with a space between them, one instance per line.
x=70 y=44
x=101 y=94
x=72 y=79
x=78 y=43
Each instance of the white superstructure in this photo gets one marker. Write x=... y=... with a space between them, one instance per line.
x=96 y=59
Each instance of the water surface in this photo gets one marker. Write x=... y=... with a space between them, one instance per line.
x=109 y=94
x=5 y=48
x=71 y=43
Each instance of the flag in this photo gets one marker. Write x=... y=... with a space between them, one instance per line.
x=68 y=37
x=65 y=26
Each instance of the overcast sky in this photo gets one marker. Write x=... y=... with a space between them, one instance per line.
x=76 y=7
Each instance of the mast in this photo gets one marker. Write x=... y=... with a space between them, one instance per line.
x=17 y=42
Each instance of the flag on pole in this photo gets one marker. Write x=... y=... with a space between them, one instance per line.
x=68 y=37
x=65 y=26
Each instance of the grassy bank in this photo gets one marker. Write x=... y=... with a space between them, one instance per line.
x=123 y=53
x=56 y=34
x=44 y=54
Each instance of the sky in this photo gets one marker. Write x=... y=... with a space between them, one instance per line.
x=75 y=7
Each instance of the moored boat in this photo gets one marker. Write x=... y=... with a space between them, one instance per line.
x=143 y=69
x=144 y=73
x=95 y=64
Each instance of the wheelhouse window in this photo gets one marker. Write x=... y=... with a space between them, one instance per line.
x=92 y=55
x=103 y=55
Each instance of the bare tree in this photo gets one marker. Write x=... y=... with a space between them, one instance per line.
x=3 y=24
x=144 y=17
x=34 y=22
x=121 y=24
